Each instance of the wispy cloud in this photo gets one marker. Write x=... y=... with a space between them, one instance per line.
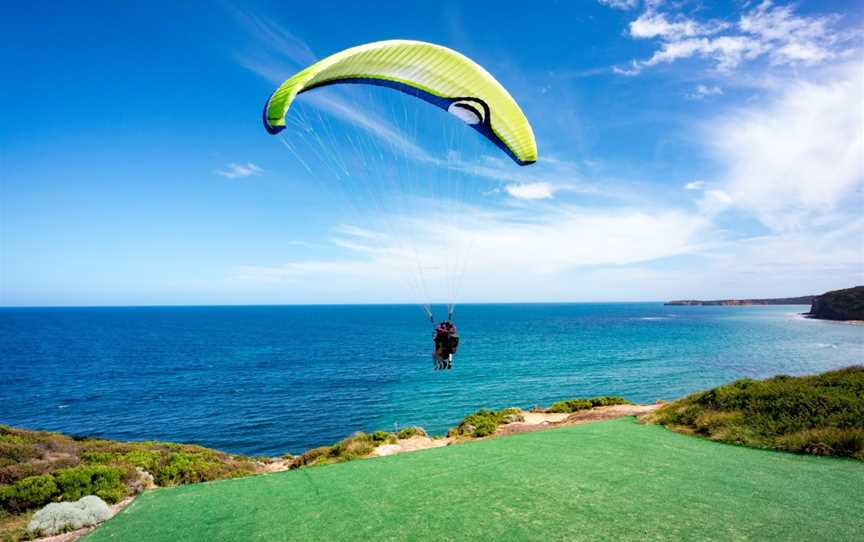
x=505 y=244
x=695 y=185
x=703 y=91
x=531 y=190
x=274 y=39
x=799 y=157
x=620 y=4
x=768 y=31
x=234 y=170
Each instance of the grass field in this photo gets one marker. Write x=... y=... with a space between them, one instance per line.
x=615 y=480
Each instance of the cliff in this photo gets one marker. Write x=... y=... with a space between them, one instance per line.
x=847 y=304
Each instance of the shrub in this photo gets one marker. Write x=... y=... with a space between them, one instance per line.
x=31 y=492
x=608 y=400
x=99 y=458
x=821 y=414
x=407 y=433
x=68 y=516
x=10 y=474
x=13 y=450
x=575 y=405
x=570 y=405
x=145 y=459
x=380 y=437
x=99 y=480
x=187 y=468
x=357 y=445
x=311 y=457
x=480 y=424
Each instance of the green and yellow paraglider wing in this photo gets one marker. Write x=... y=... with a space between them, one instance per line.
x=430 y=72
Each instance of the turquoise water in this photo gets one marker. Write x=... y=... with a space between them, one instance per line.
x=277 y=379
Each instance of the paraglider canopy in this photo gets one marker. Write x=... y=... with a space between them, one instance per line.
x=430 y=72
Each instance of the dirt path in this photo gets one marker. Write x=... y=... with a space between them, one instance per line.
x=534 y=421
x=538 y=421
x=410 y=445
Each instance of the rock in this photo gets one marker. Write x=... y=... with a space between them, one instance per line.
x=387 y=449
x=468 y=429
x=512 y=418
x=845 y=304
x=818 y=448
x=144 y=481
x=59 y=517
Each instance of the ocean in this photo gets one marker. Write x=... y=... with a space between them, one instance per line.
x=269 y=380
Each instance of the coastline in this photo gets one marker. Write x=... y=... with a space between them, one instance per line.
x=710 y=415
x=808 y=316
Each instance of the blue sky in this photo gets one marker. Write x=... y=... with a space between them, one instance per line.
x=687 y=149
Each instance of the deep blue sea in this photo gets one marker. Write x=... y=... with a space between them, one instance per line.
x=277 y=379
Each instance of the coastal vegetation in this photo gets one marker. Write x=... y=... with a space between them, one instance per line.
x=38 y=467
x=821 y=414
x=357 y=446
x=576 y=405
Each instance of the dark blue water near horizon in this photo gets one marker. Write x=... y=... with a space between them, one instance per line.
x=277 y=379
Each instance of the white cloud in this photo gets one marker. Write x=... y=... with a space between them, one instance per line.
x=273 y=37
x=714 y=201
x=791 y=39
x=620 y=4
x=541 y=180
x=234 y=171
x=485 y=256
x=799 y=157
x=703 y=91
x=695 y=185
x=769 y=31
x=531 y=190
x=655 y=25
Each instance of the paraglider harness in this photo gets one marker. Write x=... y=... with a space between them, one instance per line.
x=446 y=344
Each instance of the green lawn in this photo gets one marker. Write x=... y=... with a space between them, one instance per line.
x=615 y=480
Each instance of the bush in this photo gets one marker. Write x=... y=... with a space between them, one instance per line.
x=480 y=424
x=146 y=459
x=575 y=405
x=608 y=400
x=99 y=480
x=187 y=468
x=821 y=414
x=31 y=492
x=409 y=432
x=380 y=437
x=68 y=516
x=13 y=450
x=570 y=405
x=406 y=433
x=311 y=457
x=357 y=445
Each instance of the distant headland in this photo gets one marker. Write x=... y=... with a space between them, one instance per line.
x=842 y=305
x=803 y=300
